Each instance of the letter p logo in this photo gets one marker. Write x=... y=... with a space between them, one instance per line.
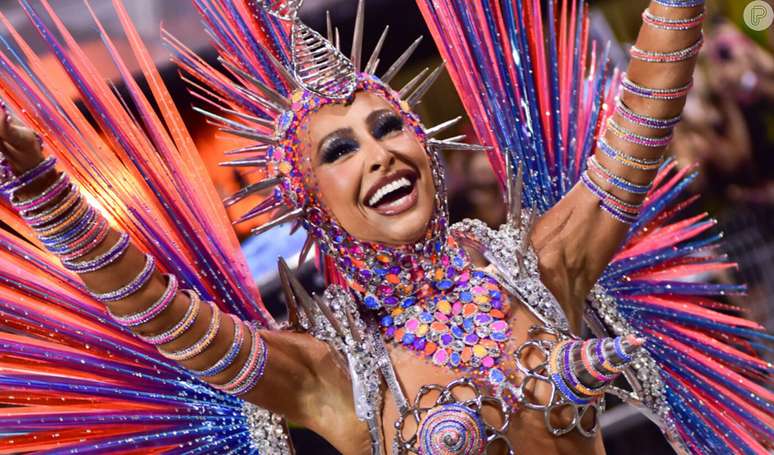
x=758 y=15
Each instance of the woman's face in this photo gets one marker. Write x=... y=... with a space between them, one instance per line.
x=371 y=170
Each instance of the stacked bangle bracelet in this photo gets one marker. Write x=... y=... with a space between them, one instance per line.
x=655 y=93
x=152 y=311
x=619 y=182
x=133 y=286
x=182 y=326
x=228 y=359
x=667 y=23
x=643 y=164
x=72 y=229
x=667 y=57
x=28 y=177
x=619 y=209
x=680 y=3
x=105 y=259
x=645 y=120
x=638 y=139
x=251 y=371
x=202 y=343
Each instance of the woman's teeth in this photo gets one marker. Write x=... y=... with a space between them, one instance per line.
x=387 y=189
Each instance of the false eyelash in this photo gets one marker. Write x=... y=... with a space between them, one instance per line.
x=337 y=148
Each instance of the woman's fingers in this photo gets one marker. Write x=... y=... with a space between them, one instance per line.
x=20 y=144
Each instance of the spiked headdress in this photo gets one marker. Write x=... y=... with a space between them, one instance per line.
x=280 y=72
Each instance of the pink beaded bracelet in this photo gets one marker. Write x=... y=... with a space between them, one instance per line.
x=152 y=311
x=182 y=326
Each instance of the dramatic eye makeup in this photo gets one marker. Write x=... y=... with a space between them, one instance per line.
x=337 y=145
x=384 y=122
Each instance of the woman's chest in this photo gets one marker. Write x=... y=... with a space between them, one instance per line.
x=458 y=408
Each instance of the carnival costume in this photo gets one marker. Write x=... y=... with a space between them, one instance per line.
x=78 y=381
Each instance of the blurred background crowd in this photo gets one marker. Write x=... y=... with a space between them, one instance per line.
x=727 y=133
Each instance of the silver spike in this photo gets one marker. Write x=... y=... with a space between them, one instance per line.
x=282 y=219
x=266 y=104
x=376 y=65
x=250 y=118
x=400 y=62
x=250 y=135
x=248 y=149
x=286 y=75
x=515 y=187
x=308 y=244
x=338 y=39
x=225 y=121
x=247 y=162
x=251 y=189
x=458 y=138
x=416 y=97
x=357 y=36
x=295 y=292
x=264 y=207
x=449 y=145
x=441 y=127
x=274 y=97
x=296 y=226
x=329 y=25
x=373 y=61
x=410 y=85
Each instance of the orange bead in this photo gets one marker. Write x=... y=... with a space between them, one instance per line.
x=467 y=354
x=497 y=314
x=430 y=348
x=469 y=309
x=392 y=278
x=439 y=327
x=399 y=335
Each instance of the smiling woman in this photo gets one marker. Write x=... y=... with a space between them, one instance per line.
x=371 y=171
x=430 y=339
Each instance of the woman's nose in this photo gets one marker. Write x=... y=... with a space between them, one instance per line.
x=381 y=158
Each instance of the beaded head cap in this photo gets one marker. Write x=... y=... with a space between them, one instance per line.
x=280 y=72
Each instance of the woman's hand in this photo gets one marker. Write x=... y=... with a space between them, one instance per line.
x=21 y=146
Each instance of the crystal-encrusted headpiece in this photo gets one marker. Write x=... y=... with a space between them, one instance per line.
x=279 y=73
x=317 y=64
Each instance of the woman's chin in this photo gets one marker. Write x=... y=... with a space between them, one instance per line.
x=405 y=229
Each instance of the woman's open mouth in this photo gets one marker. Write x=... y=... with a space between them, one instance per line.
x=393 y=194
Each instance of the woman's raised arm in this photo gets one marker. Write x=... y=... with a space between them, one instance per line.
x=577 y=238
x=280 y=371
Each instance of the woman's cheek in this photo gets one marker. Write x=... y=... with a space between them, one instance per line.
x=339 y=187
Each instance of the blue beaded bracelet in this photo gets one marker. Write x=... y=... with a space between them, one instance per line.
x=28 y=177
x=230 y=356
x=161 y=304
x=619 y=350
x=680 y=3
x=182 y=325
x=103 y=260
x=602 y=195
x=72 y=232
x=619 y=182
x=133 y=286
